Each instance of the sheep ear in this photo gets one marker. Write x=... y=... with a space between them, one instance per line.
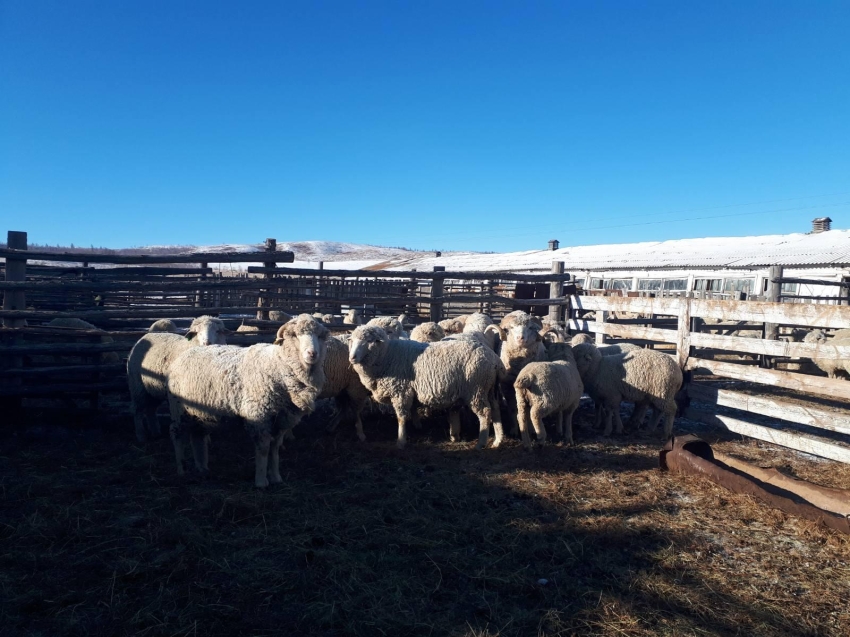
x=191 y=334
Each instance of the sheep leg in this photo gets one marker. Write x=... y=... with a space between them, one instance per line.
x=274 y=458
x=522 y=417
x=618 y=423
x=139 y=422
x=656 y=417
x=611 y=412
x=598 y=422
x=537 y=421
x=402 y=414
x=200 y=450
x=496 y=411
x=568 y=439
x=668 y=424
x=454 y=425
x=358 y=424
x=261 y=435
x=559 y=424
x=179 y=435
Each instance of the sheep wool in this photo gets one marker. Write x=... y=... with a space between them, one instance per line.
x=268 y=387
x=343 y=384
x=443 y=375
x=427 y=333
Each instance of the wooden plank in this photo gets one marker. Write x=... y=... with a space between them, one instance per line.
x=29 y=372
x=770 y=348
x=65 y=388
x=830 y=387
x=843 y=284
x=555 y=291
x=640 y=305
x=16 y=271
x=435 y=306
x=810 y=415
x=807 y=314
x=683 y=336
x=282 y=256
x=496 y=275
x=774 y=285
x=624 y=331
x=64 y=349
x=790 y=439
x=601 y=317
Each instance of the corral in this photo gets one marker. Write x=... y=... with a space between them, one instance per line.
x=102 y=538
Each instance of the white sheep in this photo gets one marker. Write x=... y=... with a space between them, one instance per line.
x=150 y=361
x=163 y=325
x=268 y=387
x=545 y=388
x=578 y=339
x=451 y=326
x=522 y=345
x=443 y=375
x=343 y=384
x=834 y=368
x=279 y=316
x=354 y=316
x=391 y=325
x=80 y=324
x=427 y=333
x=636 y=376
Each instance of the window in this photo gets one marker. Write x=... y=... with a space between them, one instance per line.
x=579 y=283
x=790 y=288
x=708 y=285
x=676 y=284
x=649 y=284
x=596 y=284
x=620 y=284
x=738 y=285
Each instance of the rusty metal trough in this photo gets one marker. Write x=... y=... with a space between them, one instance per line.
x=692 y=456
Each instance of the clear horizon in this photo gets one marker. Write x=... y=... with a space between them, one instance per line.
x=485 y=126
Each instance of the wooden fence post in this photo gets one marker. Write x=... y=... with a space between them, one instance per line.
x=436 y=291
x=601 y=317
x=16 y=270
x=263 y=315
x=774 y=288
x=556 y=291
x=683 y=333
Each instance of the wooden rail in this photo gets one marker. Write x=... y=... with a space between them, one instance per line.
x=281 y=256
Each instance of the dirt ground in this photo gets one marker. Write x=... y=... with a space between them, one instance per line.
x=100 y=537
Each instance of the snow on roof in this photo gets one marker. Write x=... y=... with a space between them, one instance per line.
x=823 y=249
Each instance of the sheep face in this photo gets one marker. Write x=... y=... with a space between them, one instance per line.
x=309 y=335
x=587 y=358
x=207 y=330
x=525 y=333
x=389 y=324
x=815 y=336
x=364 y=341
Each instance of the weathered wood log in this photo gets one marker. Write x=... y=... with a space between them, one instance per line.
x=766 y=405
x=791 y=439
x=624 y=331
x=281 y=256
x=829 y=387
x=771 y=348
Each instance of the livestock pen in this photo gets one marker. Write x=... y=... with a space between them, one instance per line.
x=100 y=536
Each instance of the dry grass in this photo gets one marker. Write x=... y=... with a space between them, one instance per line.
x=99 y=537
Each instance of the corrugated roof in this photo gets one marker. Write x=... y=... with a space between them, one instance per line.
x=825 y=249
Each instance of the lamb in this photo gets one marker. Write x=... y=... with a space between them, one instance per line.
x=343 y=384
x=269 y=387
x=636 y=376
x=79 y=324
x=163 y=325
x=390 y=325
x=546 y=388
x=443 y=375
x=523 y=345
x=427 y=333
x=279 y=316
x=354 y=316
x=150 y=361
x=578 y=339
x=327 y=319
x=451 y=326
x=834 y=368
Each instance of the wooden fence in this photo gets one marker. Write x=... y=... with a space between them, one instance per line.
x=802 y=411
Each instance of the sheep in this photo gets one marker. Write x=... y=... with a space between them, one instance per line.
x=482 y=327
x=279 y=316
x=834 y=368
x=635 y=376
x=522 y=345
x=390 y=325
x=578 y=339
x=247 y=329
x=553 y=333
x=269 y=387
x=343 y=384
x=452 y=326
x=327 y=319
x=354 y=316
x=443 y=375
x=163 y=325
x=549 y=387
x=79 y=324
x=150 y=361
x=427 y=333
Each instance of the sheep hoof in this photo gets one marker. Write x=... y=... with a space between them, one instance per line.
x=275 y=480
x=497 y=443
x=400 y=444
x=453 y=438
x=261 y=484
x=361 y=437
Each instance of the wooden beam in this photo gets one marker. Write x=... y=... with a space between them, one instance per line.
x=16 y=271
x=71 y=370
x=624 y=331
x=790 y=439
x=770 y=348
x=774 y=287
x=555 y=291
x=683 y=336
x=830 y=387
x=436 y=306
x=640 y=305
x=65 y=388
x=806 y=314
x=803 y=414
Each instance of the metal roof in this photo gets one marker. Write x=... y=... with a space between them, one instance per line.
x=824 y=249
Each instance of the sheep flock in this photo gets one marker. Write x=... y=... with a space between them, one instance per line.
x=522 y=368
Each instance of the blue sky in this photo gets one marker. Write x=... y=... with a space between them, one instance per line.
x=436 y=125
